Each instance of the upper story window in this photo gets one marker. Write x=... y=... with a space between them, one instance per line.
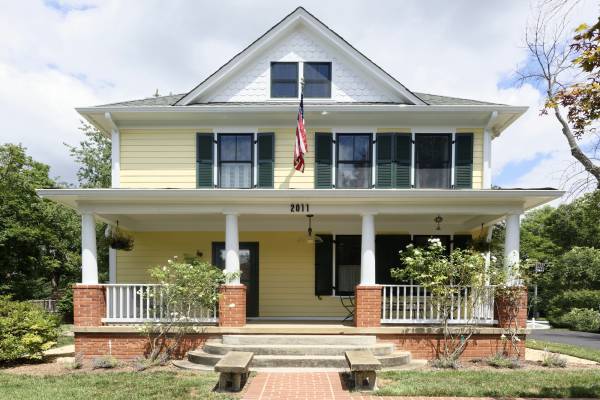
x=433 y=161
x=235 y=160
x=317 y=79
x=353 y=161
x=284 y=79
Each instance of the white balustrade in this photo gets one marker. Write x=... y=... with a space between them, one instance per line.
x=138 y=303
x=413 y=304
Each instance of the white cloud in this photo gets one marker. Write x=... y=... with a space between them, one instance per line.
x=53 y=59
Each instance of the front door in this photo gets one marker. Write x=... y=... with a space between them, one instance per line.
x=248 y=268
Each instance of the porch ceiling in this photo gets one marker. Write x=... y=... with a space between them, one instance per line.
x=270 y=209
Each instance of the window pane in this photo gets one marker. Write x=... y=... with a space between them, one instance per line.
x=227 y=147
x=284 y=71
x=348 y=277
x=280 y=89
x=312 y=89
x=345 y=147
x=353 y=175
x=317 y=71
x=244 y=148
x=348 y=255
x=236 y=175
x=362 y=148
x=433 y=154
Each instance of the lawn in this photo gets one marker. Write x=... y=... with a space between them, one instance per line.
x=111 y=385
x=568 y=349
x=539 y=383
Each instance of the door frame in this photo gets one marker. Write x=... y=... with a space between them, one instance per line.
x=252 y=298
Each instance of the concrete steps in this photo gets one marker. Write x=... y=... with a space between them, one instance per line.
x=294 y=351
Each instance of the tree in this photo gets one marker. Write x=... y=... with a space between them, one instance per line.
x=39 y=240
x=549 y=67
x=93 y=154
x=582 y=99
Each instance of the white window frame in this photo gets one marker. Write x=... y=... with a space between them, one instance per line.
x=242 y=131
x=351 y=130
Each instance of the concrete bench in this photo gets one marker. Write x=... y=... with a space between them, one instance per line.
x=233 y=369
x=363 y=366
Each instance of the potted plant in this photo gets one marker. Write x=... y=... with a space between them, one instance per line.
x=119 y=240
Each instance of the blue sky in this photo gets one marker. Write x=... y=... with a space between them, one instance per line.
x=57 y=55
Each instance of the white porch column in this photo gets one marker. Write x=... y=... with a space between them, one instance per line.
x=232 y=247
x=89 y=263
x=367 y=244
x=511 y=245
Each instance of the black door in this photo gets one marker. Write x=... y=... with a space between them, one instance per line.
x=248 y=268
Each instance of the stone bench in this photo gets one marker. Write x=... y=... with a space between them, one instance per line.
x=233 y=370
x=363 y=366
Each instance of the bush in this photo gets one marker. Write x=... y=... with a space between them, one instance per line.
x=64 y=306
x=553 y=360
x=500 y=360
x=566 y=301
x=582 y=319
x=26 y=331
x=105 y=362
x=445 y=363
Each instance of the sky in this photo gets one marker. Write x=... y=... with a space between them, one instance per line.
x=57 y=55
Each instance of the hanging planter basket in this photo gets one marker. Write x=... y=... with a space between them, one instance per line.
x=119 y=240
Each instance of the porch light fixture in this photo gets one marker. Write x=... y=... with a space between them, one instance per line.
x=438 y=220
x=310 y=238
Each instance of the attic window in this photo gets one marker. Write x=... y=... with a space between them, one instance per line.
x=317 y=79
x=284 y=79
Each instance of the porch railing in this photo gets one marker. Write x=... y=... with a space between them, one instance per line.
x=138 y=303
x=413 y=304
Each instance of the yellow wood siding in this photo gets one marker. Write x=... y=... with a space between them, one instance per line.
x=167 y=158
x=286 y=267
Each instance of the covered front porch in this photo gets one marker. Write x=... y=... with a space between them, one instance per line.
x=285 y=275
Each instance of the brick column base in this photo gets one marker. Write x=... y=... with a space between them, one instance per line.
x=89 y=305
x=367 y=306
x=511 y=311
x=232 y=305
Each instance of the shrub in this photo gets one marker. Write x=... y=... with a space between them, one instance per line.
x=65 y=306
x=445 y=363
x=500 y=360
x=553 y=360
x=105 y=362
x=582 y=319
x=564 y=302
x=26 y=331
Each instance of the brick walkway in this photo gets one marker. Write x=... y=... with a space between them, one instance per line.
x=313 y=386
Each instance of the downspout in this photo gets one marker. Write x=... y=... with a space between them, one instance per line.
x=487 y=150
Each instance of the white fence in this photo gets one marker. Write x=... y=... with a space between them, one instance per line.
x=413 y=304
x=137 y=303
x=48 y=305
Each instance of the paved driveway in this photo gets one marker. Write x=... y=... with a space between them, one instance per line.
x=565 y=336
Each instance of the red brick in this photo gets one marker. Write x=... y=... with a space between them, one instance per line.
x=235 y=315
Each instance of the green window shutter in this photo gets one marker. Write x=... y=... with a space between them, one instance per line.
x=266 y=160
x=463 y=168
x=204 y=160
x=323 y=160
x=324 y=266
x=403 y=158
x=385 y=161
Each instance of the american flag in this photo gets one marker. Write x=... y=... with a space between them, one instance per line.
x=301 y=146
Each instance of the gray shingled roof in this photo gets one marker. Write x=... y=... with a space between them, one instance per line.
x=170 y=100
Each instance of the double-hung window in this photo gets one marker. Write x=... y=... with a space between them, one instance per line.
x=284 y=79
x=353 y=160
x=235 y=160
x=433 y=160
x=317 y=79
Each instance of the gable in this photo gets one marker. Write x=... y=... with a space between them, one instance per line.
x=252 y=83
x=300 y=37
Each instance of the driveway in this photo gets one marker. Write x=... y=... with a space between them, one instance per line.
x=565 y=336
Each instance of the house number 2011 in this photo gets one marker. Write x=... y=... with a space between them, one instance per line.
x=299 y=208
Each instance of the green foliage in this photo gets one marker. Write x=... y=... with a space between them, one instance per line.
x=64 y=305
x=582 y=319
x=576 y=223
x=39 y=240
x=93 y=154
x=445 y=363
x=26 y=331
x=578 y=268
x=553 y=360
x=567 y=300
x=501 y=360
x=104 y=362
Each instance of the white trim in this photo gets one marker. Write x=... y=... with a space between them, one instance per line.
x=487 y=151
x=112 y=265
x=452 y=160
x=255 y=161
x=412 y=160
x=215 y=160
x=333 y=160
x=374 y=160
x=115 y=152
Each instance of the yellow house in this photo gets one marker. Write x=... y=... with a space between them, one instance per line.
x=211 y=173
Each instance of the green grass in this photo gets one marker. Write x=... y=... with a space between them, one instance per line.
x=64 y=341
x=568 y=349
x=582 y=383
x=111 y=385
